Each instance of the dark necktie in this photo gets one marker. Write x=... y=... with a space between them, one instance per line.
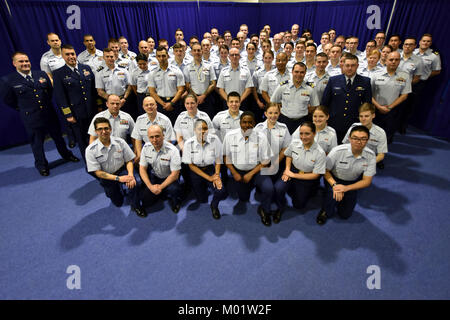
x=76 y=71
x=29 y=79
x=349 y=84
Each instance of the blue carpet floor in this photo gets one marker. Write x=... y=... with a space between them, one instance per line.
x=401 y=225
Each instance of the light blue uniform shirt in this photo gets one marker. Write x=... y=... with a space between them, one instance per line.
x=108 y=159
x=343 y=164
x=162 y=163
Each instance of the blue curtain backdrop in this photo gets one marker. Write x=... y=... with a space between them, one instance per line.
x=26 y=28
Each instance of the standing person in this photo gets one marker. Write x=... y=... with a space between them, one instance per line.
x=124 y=52
x=378 y=141
x=431 y=59
x=166 y=83
x=200 y=77
x=318 y=79
x=203 y=154
x=159 y=168
x=122 y=124
x=52 y=59
x=258 y=77
x=389 y=90
x=143 y=122
x=114 y=79
x=109 y=158
x=333 y=68
x=139 y=81
x=227 y=120
x=380 y=38
x=350 y=167
x=325 y=135
x=275 y=77
x=384 y=53
x=246 y=152
x=372 y=66
x=91 y=56
x=75 y=94
x=184 y=125
x=31 y=93
x=305 y=163
x=296 y=97
x=344 y=94
x=235 y=78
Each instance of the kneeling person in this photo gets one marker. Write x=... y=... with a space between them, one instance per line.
x=108 y=157
x=203 y=154
x=246 y=152
x=163 y=158
x=350 y=167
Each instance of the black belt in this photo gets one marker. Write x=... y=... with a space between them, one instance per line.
x=167 y=99
x=144 y=94
x=205 y=167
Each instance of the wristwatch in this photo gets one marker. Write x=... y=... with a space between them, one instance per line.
x=117 y=178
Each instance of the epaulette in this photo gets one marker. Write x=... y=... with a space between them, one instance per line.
x=284 y=82
x=100 y=68
x=311 y=84
x=436 y=53
x=92 y=146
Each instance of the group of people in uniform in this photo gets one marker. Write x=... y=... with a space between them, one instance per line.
x=272 y=113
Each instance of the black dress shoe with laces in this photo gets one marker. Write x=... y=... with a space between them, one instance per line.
x=72 y=158
x=44 y=172
x=322 y=217
x=176 y=207
x=215 y=212
x=276 y=216
x=265 y=218
x=140 y=212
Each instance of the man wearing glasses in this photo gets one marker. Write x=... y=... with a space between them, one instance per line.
x=111 y=161
x=350 y=167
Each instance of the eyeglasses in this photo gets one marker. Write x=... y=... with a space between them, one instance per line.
x=359 y=139
x=103 y=129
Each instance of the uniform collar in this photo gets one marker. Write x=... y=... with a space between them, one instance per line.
x=25 y=75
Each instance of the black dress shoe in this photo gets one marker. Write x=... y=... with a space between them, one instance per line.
x=44 y=172
x=140 y=212
x=72 y=158
x=72 y=144
x=322 y=217
x=276 y=216
x=265 y=218
x=176 y=208
x=215 y=212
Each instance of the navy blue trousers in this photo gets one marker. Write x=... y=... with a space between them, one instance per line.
x=200 y=187
x=114 y=191
x=264 y=184
x=37 y=138
x=343 y=208
x=173 y=191
x=303 y=190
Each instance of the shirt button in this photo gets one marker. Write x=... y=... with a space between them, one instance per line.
x=346 y=101
x=345 y=115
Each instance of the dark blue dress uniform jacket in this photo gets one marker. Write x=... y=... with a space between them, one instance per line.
x=342 y=103
x=75 y=94
x=33 y=99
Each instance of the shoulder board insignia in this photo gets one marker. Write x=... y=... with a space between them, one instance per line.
x=436 y=53
x=311 y=84
x=100 y=68
x=284 y=82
